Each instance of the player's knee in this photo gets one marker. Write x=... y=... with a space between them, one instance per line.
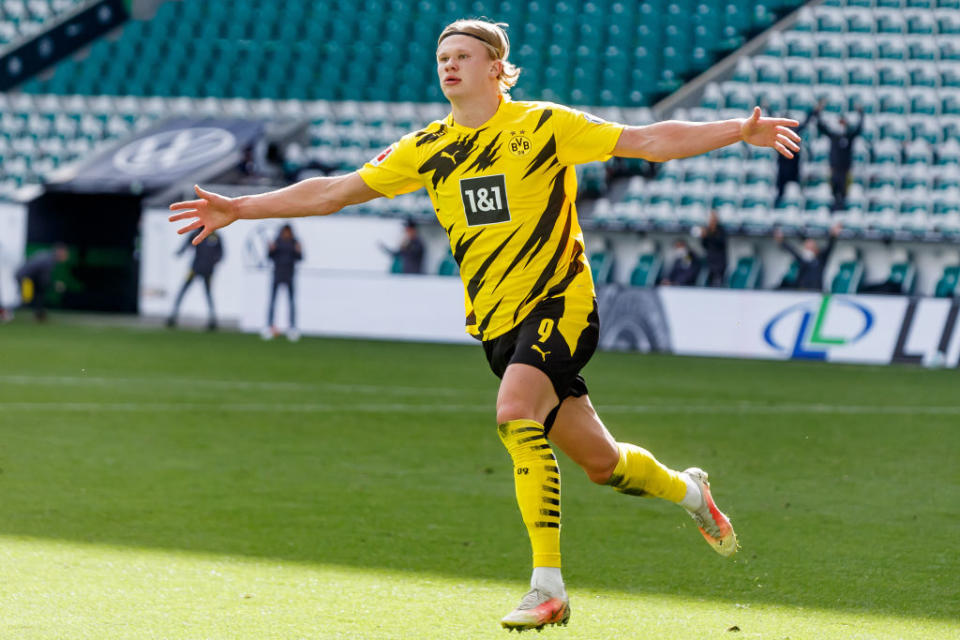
x=514 y=409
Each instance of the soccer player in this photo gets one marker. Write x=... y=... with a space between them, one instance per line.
x=500 y=175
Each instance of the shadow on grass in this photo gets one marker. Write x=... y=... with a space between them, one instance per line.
x=833 y=515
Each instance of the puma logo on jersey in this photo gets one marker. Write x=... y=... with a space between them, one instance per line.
x=543 y=353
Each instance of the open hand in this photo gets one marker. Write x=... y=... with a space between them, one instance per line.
x=211 y=212
x=771 y=132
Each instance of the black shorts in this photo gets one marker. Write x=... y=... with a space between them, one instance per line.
x=558 y=337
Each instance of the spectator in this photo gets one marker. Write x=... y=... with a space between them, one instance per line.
x=841 y=154
x=686 y=266
x=35 y=275
x=410 y=251
x=713 y=239
x=205 y=258
x=285 y=252
x=788 y=169
x=811 y=259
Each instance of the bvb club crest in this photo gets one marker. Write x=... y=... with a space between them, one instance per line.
x=519 y=144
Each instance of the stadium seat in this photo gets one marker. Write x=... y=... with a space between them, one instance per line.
x=904 y=274
x=647 y=271
x=789 y=279
x=602 y=266
x=861 y=47
x=448 y=266
x=847 y=279
x=948 y=286
x=746 y=274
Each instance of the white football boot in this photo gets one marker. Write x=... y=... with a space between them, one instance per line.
x=715 y=527
x=536 y=610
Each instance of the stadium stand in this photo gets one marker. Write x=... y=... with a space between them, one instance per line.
x=304 y=59
x=23 y=18
x=898 y=60
x=584 y=52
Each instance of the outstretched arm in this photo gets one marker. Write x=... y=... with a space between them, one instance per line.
x=859 y=128
x=311 y=197
x=674 y=139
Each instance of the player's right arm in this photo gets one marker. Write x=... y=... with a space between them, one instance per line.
x=311 y=197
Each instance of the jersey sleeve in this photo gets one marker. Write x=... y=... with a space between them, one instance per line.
x=394 y=170
x=582 y=137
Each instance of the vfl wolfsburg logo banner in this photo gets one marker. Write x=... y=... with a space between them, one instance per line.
x=179 y=149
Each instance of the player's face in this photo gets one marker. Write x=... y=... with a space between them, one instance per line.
x=464 y=67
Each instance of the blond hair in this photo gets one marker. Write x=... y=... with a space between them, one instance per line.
x=494 y=38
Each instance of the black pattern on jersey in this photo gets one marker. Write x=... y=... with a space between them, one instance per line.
x=543 y=119
x=463 y=245
x=550 y=270
x=477 y=281
x=426 y=137
x=444 y=162
x=545 y=225
x=487 y=318
x=487 y=157
x=573 y=270
x=549 y=151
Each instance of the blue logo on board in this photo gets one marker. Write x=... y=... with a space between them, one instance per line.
x=811 y=341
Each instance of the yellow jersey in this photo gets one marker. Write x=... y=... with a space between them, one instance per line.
x=505 y=193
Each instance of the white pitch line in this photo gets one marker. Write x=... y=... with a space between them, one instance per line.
x=157 y=407
x=159 y=383
x=734 y=408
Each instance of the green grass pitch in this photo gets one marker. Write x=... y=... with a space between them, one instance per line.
x=187 y=485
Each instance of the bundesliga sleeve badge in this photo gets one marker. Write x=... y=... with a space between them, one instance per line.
x=376 y=162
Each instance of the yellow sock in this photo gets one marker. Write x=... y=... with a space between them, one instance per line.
x=26 y=290
x=638 y=473
x=537 y=481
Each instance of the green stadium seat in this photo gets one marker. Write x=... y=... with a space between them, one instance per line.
x=602 y=266
x=447 y=267
x=746 y=273
x=904 y=274
x=948 y=286
x=848 y=277
x=647 y=271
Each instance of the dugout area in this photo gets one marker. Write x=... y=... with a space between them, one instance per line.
x=101 y=232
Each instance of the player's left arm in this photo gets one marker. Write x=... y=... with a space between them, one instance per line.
x=674 y=139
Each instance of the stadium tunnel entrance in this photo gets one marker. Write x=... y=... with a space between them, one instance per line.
x=101 y=231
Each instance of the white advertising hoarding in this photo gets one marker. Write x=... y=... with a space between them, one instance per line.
x=13 y=240
x=345 y=243
x=363 y=305
x=810 y=326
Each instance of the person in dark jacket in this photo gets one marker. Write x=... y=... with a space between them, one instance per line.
x=410 y=251
x=35 y=275
x=285 y=252
x=205 y=258
x=841 y=155
x=685 y=268
x=811 y=259
x=788 y=169
x=713 y=239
